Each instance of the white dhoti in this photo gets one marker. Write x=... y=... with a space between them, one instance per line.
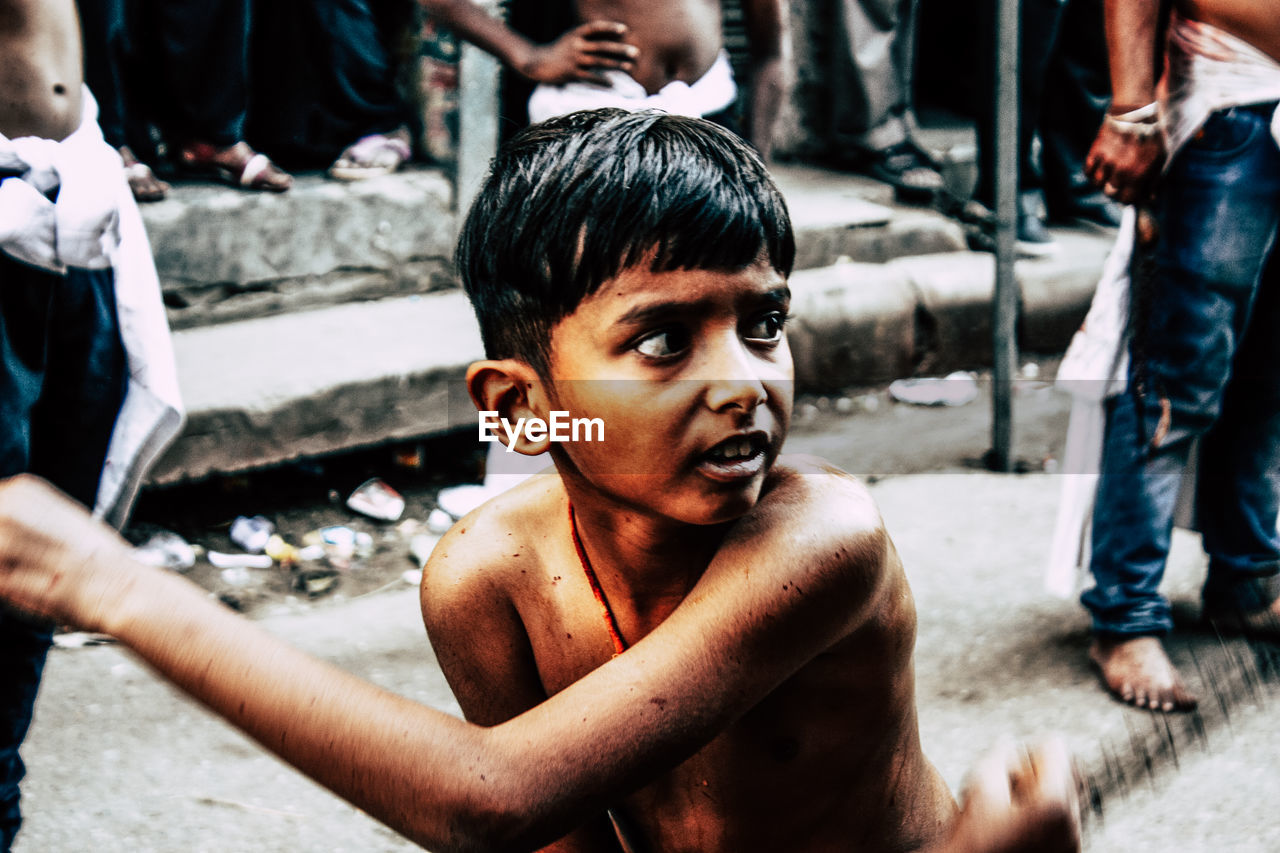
x=712 y=92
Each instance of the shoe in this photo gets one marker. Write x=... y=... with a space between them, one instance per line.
x=1094 y=208
x=983 y=240
x=1033 y=238
x=237 y=165
x=907 y=168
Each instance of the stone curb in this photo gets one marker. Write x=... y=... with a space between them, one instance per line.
x=224 y=255
x=269 y=390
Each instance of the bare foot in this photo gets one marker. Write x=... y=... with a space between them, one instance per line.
x=143 y=183
x=1136 y=670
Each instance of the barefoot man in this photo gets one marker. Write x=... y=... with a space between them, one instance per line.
x=1199 y=147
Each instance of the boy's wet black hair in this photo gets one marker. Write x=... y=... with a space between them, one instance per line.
x=572 y=202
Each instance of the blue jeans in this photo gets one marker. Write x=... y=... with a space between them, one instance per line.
x=62 y=380
x=1206 y=363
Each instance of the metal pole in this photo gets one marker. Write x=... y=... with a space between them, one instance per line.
x=1005 y=304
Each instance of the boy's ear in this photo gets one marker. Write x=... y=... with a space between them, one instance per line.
x=513 y=389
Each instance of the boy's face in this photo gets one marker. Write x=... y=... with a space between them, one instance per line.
x=691 y=375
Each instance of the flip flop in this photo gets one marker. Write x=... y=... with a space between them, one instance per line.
x=257 y=172
x=370 y=157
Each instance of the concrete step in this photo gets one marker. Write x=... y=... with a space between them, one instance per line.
x=268 y=390
x=862 y=324
x=225 y=255
x=274 y=389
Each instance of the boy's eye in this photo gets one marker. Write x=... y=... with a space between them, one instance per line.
x=662 y=343
x=768 y=329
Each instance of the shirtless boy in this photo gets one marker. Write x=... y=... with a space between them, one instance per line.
x=1208 y=352
x=743 y=681
x=80 y=392
x=642 y=44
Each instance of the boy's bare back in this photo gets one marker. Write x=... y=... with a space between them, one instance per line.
x=830 y=760
x=40 y=72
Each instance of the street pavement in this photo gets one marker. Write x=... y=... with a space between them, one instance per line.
x=119 y=761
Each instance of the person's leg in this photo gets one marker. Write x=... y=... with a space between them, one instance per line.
x=25 y=302
x=331 y=82
x=362 y=91
x=103 y=31
x=86 y=376
x=202 y=53
x=1038 y=33
x=104 y=35
x=872 y=116
x=63 y=376
x=1217 y=214
x=25 y=646
x=868 y=100
x=1076 y=92
x=1239 y=472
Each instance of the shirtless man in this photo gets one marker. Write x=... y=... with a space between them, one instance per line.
x=654 y=44
x=40 y=70
x=40 y=96
x=1204 y=361
x=80 y=394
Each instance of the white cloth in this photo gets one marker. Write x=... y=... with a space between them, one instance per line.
x=95 y=224
x=1207 y=70
x=1094 y=368
x=1210 y=70
x=712 y=92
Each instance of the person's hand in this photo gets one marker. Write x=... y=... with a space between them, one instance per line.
x=1019 y=801
x=1126 y=166
x=56 y=561
x=581 y=54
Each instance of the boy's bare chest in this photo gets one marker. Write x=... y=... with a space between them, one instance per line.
x=803 y=763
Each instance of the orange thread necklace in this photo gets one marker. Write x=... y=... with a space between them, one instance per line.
x=610 y=621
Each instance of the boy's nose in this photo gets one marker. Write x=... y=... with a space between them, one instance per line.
x=734 y=380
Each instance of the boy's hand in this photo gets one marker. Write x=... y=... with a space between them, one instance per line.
x=581 y=53
x=56 y=561
x=1019 y=801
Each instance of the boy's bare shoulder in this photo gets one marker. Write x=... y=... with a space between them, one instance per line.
x=478 y=560
x=814 y=497
x=825 y=533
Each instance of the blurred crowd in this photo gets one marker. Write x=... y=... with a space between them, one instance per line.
x=245 y=93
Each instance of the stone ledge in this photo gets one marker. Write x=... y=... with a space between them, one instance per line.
x=225 y=254
x=270 y=390
x=275 y=389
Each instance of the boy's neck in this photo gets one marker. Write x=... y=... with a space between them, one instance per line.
x=646 y=559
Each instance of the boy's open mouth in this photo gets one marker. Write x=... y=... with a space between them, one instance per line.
x=737 y=456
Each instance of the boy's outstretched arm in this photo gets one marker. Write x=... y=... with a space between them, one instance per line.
x=444 y=783
x=579 y=54
x=766 y=22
